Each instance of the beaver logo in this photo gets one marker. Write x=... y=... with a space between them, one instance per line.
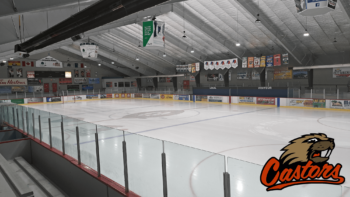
x=304 y=161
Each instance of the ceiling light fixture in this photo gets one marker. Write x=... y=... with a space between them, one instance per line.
x=11 y=58
x=112 y=62
x=99 y=64
x=257 y=19
x=4 y=61
x=238 y=44
x=137 y=59
x=306 y=34
x=335 y=40
x=192 y=51
x=164 y=55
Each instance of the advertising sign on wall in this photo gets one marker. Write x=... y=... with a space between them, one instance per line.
x=87 y=87
x=73 y=88
x=183 y=97
x=166 y=97
x=285 y=58
x=215 y=99
x=263 y=61
x=256 y=62
x=243 y=74
x=246 y=100
x=34 y=81
x=201 y=98
x=340 y=104
x=5 y=90
x=301 y=102
x=35 y=89
x=80 y=80
x=53 y=99
x=65 y=80
x=94 y=80
x=30 y=74
x=319 y=103
x=265 y=101
x=341 y=72
x=17 y=101
x=300 y=74
x=146 y=96
x=154 y=34
x=94 y=96
x=49 y=62
x=155 y=96
x=14 y=63
x=35 y=100
x=277 y=60
x=13 y=81
x=138 y=95
x=18 y=89
x=104 y=96
x=283 y=74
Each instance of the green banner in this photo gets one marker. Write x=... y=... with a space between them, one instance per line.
x=17 y=101
x=147 y=32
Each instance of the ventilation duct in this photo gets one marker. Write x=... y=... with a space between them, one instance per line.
x=96 y=15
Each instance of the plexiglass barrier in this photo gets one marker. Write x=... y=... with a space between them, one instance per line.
x=151 y=167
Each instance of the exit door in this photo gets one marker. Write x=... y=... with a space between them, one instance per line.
x=46 y=88
x=54 y=87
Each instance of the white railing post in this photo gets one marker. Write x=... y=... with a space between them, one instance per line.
x=324 y=93
x=337 y=93
x=311 y=94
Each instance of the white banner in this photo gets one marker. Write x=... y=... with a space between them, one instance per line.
x=206 y=65
x=198 y=67
x=154 y=34
x=341 y=72
x=89 y=50
x=244 y=62
x=211 y=65
x=234 y=63
x=49 y=62
x=13 y=81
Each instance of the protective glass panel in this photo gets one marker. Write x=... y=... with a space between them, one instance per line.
x=56 y=131
x=346 y=192
x=193 y=172
x=87 y=150
x=44 y=126
x=70 y=142
x=30 y=120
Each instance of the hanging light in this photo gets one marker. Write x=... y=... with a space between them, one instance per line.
x=99 y=64
x=137 y=59
x=11 y=58
x=192 y=51
x=335 y=40
x=164 y=55
x=238 y=44
x=257 y=19
x=4 y=61
x=112 y=62
x=306 y=34
x=184 y=36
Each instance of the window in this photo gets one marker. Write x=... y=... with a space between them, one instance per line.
x=127 y=84
x=120 y=84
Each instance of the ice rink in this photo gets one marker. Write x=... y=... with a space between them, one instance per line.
x=248 y=133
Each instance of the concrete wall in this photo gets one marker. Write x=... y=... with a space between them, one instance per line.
x=96 y=71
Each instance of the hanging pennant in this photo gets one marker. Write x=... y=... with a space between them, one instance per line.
x=222 y=64
x=234 y=63
x=206 y=65
x=217 y=65
x=211 y=66
x=244 y=62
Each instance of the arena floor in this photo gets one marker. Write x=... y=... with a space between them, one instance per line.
x=249 y=133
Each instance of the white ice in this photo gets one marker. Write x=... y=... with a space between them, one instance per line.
x=249 y=133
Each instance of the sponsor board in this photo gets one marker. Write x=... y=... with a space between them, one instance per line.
x=92 y=96
x=341 y=72
x=18 y=89
x=146 y=96
x=65 y=80
x=202 y=98
x=137 y=95
x=283 y=74
x=53 y=99
x=215 y=99
x=166 y=97
x=30 y=74
x=73 y=87
x=11 y=81
x=103 y=96
x=265 y=101
x=94 y=80
x=87 y=87
x=154 y=34
x=34 y=81
x=182 y=97
x=120 y=96
x=246 y=100
x=17 y=101
x=80 y=80
x=319 y=103
x=301 y=102
x=5 y=90
x=35 y=100
x=155 y=96
x=340 y=104
x=300 y=74
x=5 y=101
x=32 y=89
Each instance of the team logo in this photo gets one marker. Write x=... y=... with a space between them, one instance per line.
x=211 y=63
x=222 y=63
x=207 y=63
x=228 y=62
x=304 y=161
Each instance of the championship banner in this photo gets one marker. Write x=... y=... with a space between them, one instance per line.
x=246 y=100
x=154 y=34
x=255 y=75
x=88 y=50
x=49 y=62
x=263 y=61
x=211 y=66
x=283 y=74
x=27 y=63
x=301 y=102
x=244 y=62
x=65 y=81
x=265 y=101
x=341 y=72
x=269 y=61
x=277 y=60
x=80 y=80
x=13 y=81
x=217 y=65
x=193 y=68
x=300 y=74
x=222 y=65
x=256 y=62
x=285 y=58
x=250 y=62
x=14 y=63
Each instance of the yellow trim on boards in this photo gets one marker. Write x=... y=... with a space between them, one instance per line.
x=346 y=110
